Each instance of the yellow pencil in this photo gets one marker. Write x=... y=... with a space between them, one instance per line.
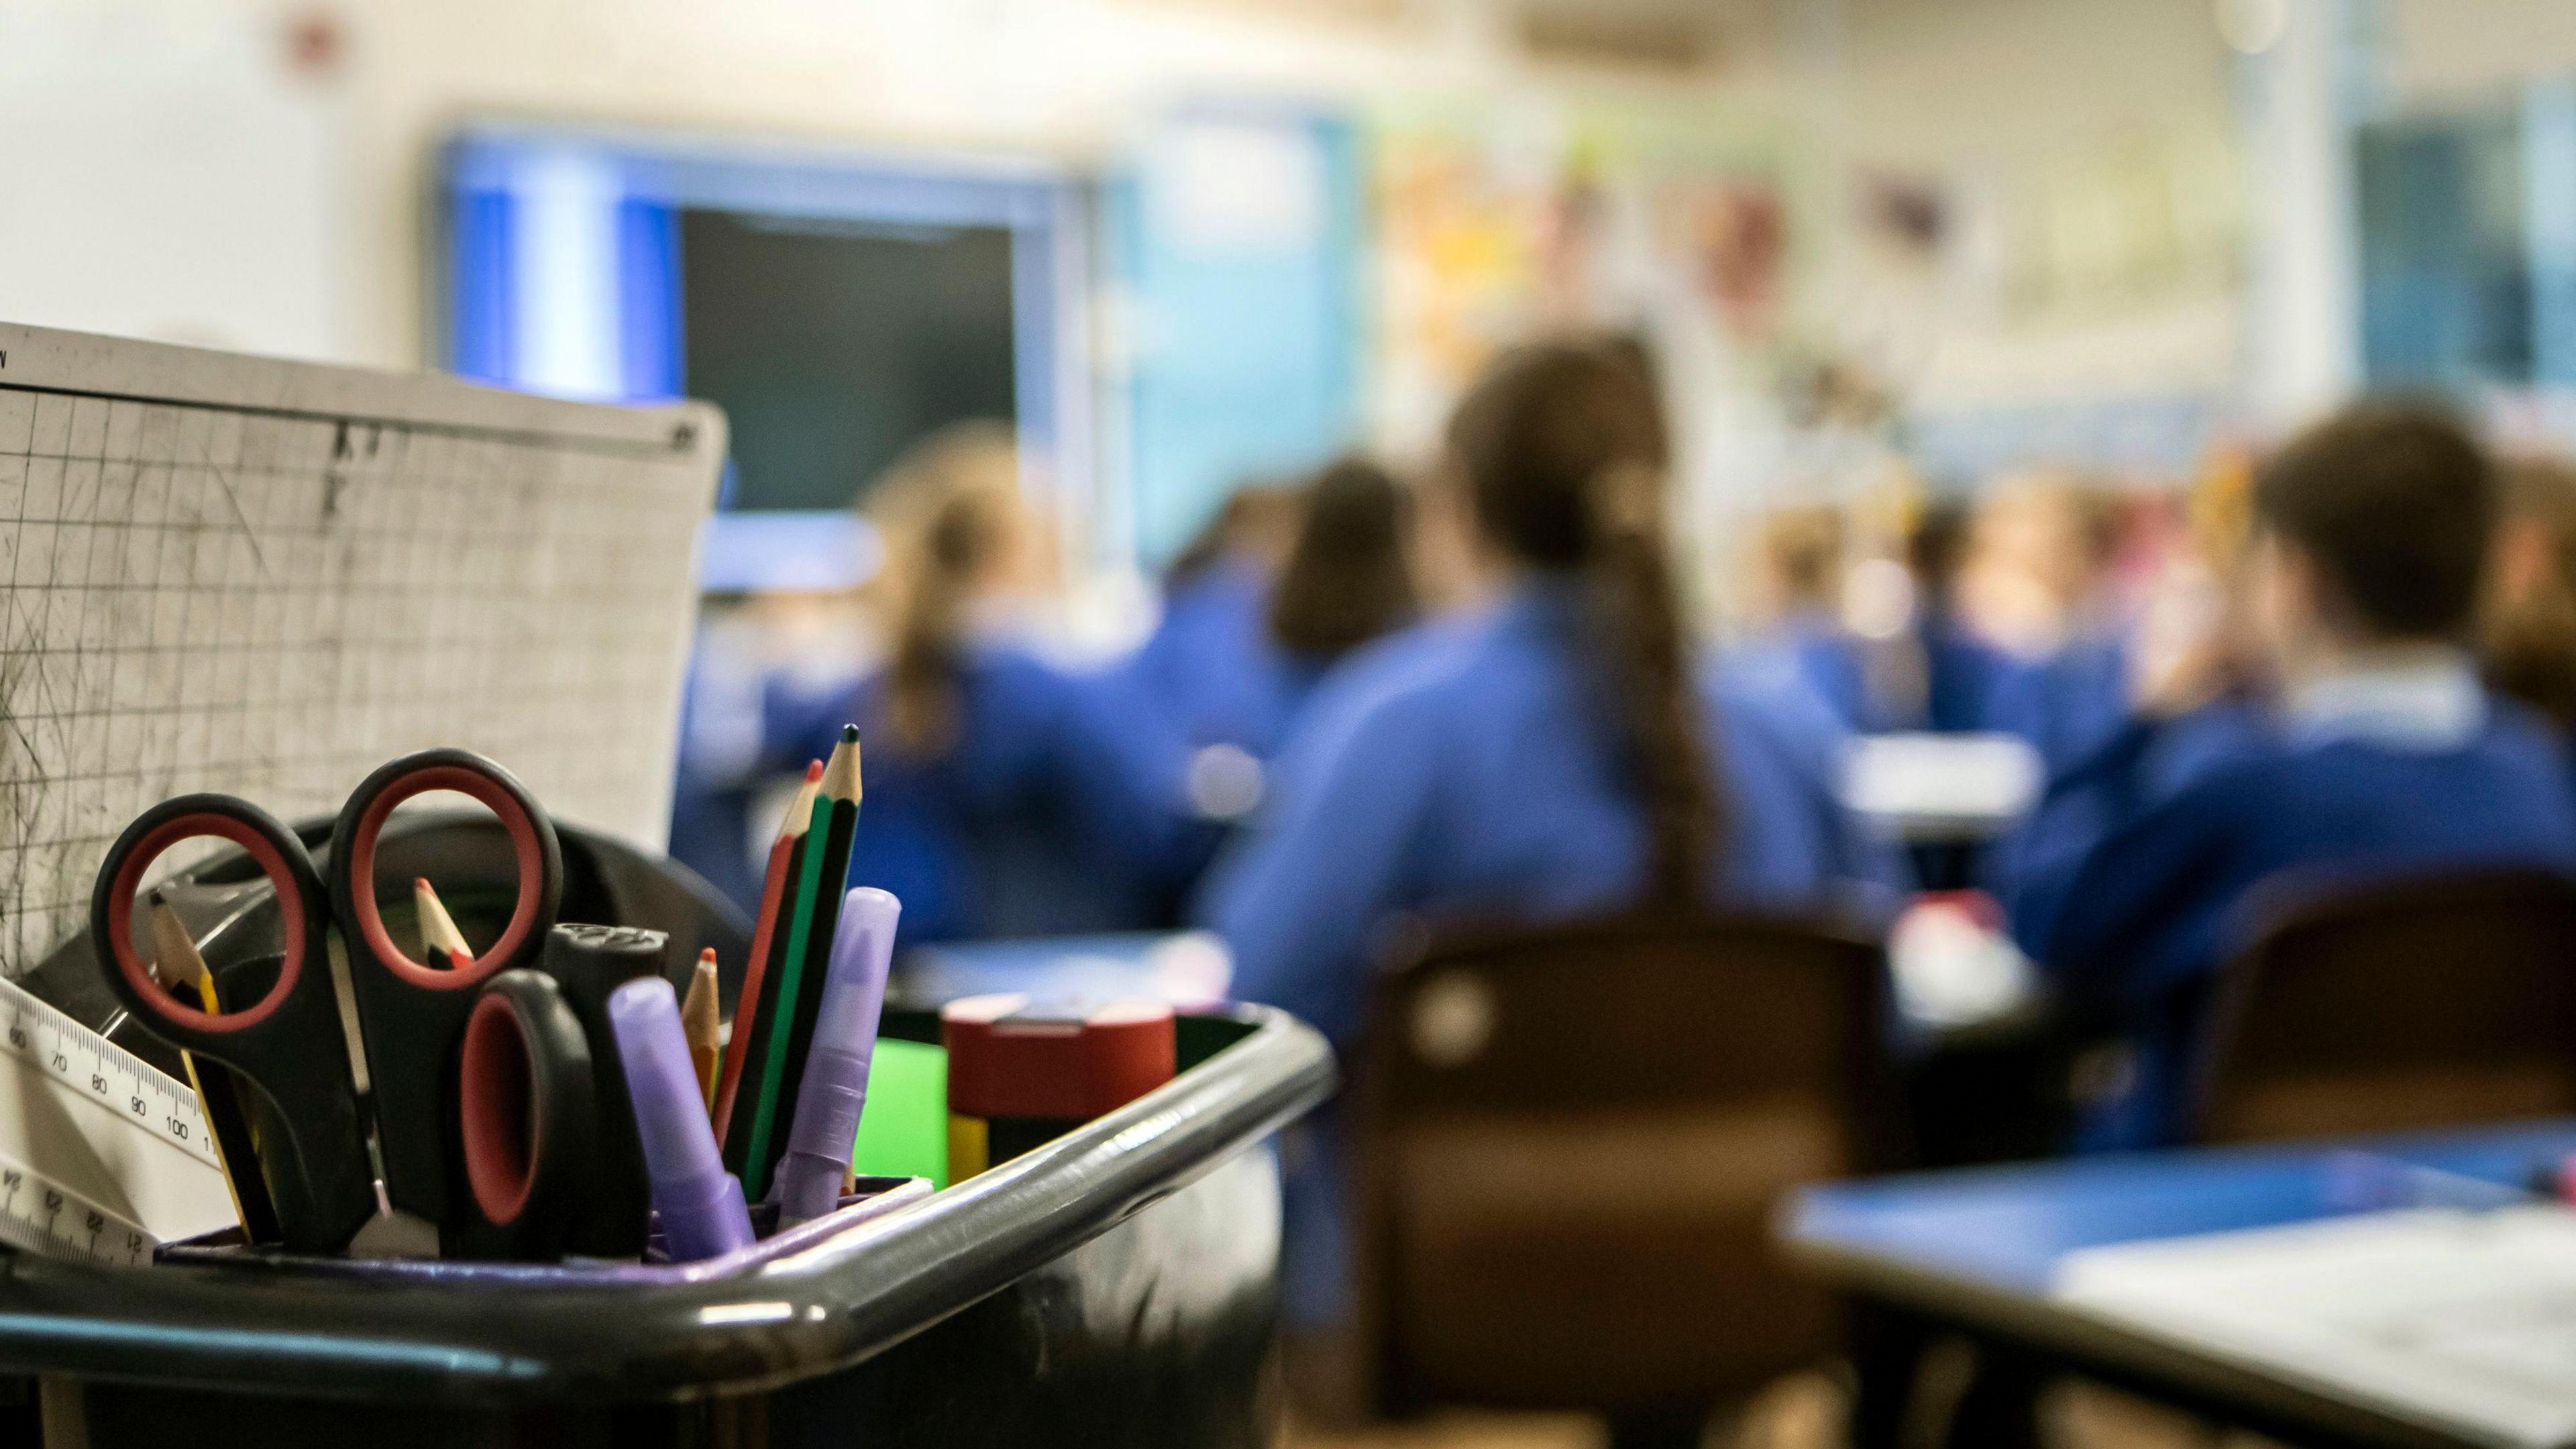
x=177 y=964
x=175 y=959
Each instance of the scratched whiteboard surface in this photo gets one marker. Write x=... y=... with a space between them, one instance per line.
x=232 y=573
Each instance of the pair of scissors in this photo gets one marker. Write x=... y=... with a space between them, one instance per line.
x=478 y=1156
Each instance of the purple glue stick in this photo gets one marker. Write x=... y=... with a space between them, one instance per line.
x=699 y=1202
x=836 y=1067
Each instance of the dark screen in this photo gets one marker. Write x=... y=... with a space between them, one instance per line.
x=833 y=346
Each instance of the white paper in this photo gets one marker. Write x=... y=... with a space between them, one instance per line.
x=1925 y=784
x=2461 y=1320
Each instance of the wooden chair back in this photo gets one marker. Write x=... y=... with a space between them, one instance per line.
x=1570 y=1143
x=2433 y=1002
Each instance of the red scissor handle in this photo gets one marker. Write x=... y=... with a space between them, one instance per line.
x=269 y=844
x=532 y=841
x=287 y=1044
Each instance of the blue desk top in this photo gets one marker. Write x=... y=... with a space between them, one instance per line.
x=1187 y=970
x=2005 y=1228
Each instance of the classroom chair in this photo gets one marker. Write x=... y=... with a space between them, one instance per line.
x=1569 y=1142
x=2432 y=1002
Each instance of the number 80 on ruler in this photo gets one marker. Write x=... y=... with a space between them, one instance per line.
x=102 y=1156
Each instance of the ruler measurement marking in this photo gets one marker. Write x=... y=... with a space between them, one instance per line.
x=89 y=1065
x=40 y=1228
x=40 y=1215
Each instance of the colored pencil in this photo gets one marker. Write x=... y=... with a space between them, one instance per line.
x=701 y=1022
x=820 y=941
x=437 y=928
x=177 y=964
x=759 y=981
x=809 y=948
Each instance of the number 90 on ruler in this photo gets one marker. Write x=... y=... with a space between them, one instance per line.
x=102 y=1155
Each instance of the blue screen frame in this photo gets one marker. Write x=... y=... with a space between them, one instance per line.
x=557 y=268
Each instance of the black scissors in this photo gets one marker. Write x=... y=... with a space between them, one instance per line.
x=478 y=1159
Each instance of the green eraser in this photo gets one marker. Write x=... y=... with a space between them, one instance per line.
x=903 y=1129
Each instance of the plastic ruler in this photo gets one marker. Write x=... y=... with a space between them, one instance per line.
x=102 y=1155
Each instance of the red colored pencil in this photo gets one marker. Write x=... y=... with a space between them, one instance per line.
x=746 y=1010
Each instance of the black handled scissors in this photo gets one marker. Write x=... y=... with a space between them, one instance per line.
x=411 y=1015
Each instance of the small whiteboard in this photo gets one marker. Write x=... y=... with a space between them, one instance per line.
x=267 y=578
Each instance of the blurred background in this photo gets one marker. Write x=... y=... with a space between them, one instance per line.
x=1980 y=306
x=1877 y=244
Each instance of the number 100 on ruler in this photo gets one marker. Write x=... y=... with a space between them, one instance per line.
x=102 y=1155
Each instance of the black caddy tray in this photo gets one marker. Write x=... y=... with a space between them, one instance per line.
x=1115 y=1286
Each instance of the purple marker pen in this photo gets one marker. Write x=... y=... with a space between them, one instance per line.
x=699 y=1202
x=836 y=1066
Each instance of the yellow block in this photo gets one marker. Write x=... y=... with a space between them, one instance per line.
x=969 y=1147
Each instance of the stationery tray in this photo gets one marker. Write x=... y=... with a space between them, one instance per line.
x=813 y=1300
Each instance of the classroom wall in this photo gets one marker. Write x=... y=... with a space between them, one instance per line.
x=342 y=205
x=2000 y=81
x=320 y=120
x=187 y=185
x=1067 y=78
x=376 y=84
x=2028 y=114
x=2440 y=53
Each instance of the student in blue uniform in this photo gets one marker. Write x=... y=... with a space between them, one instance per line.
x=1963 y=675
x=2048 y=548
x=1550 y=752
x=1930 y=672
x=2380 y=754
x=1245 y=639
x=1348 y=580
x=1000 y=798
x=1553 y=752
x=1203 y=671
x=1802 y=556
x=1241 y=647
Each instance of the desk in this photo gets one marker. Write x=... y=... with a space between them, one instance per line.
x=1936 y=789
x=1975 y=1252
x=1185 y=970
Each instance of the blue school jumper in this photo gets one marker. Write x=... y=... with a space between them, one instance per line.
x=1210 y=670
x=1464 y=769
x=2071 y=704
x=1046 y=814
x=1965 y=679
x=1964 y=676
x=2375 y=774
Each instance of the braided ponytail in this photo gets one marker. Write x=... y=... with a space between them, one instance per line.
x=1562 y=451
